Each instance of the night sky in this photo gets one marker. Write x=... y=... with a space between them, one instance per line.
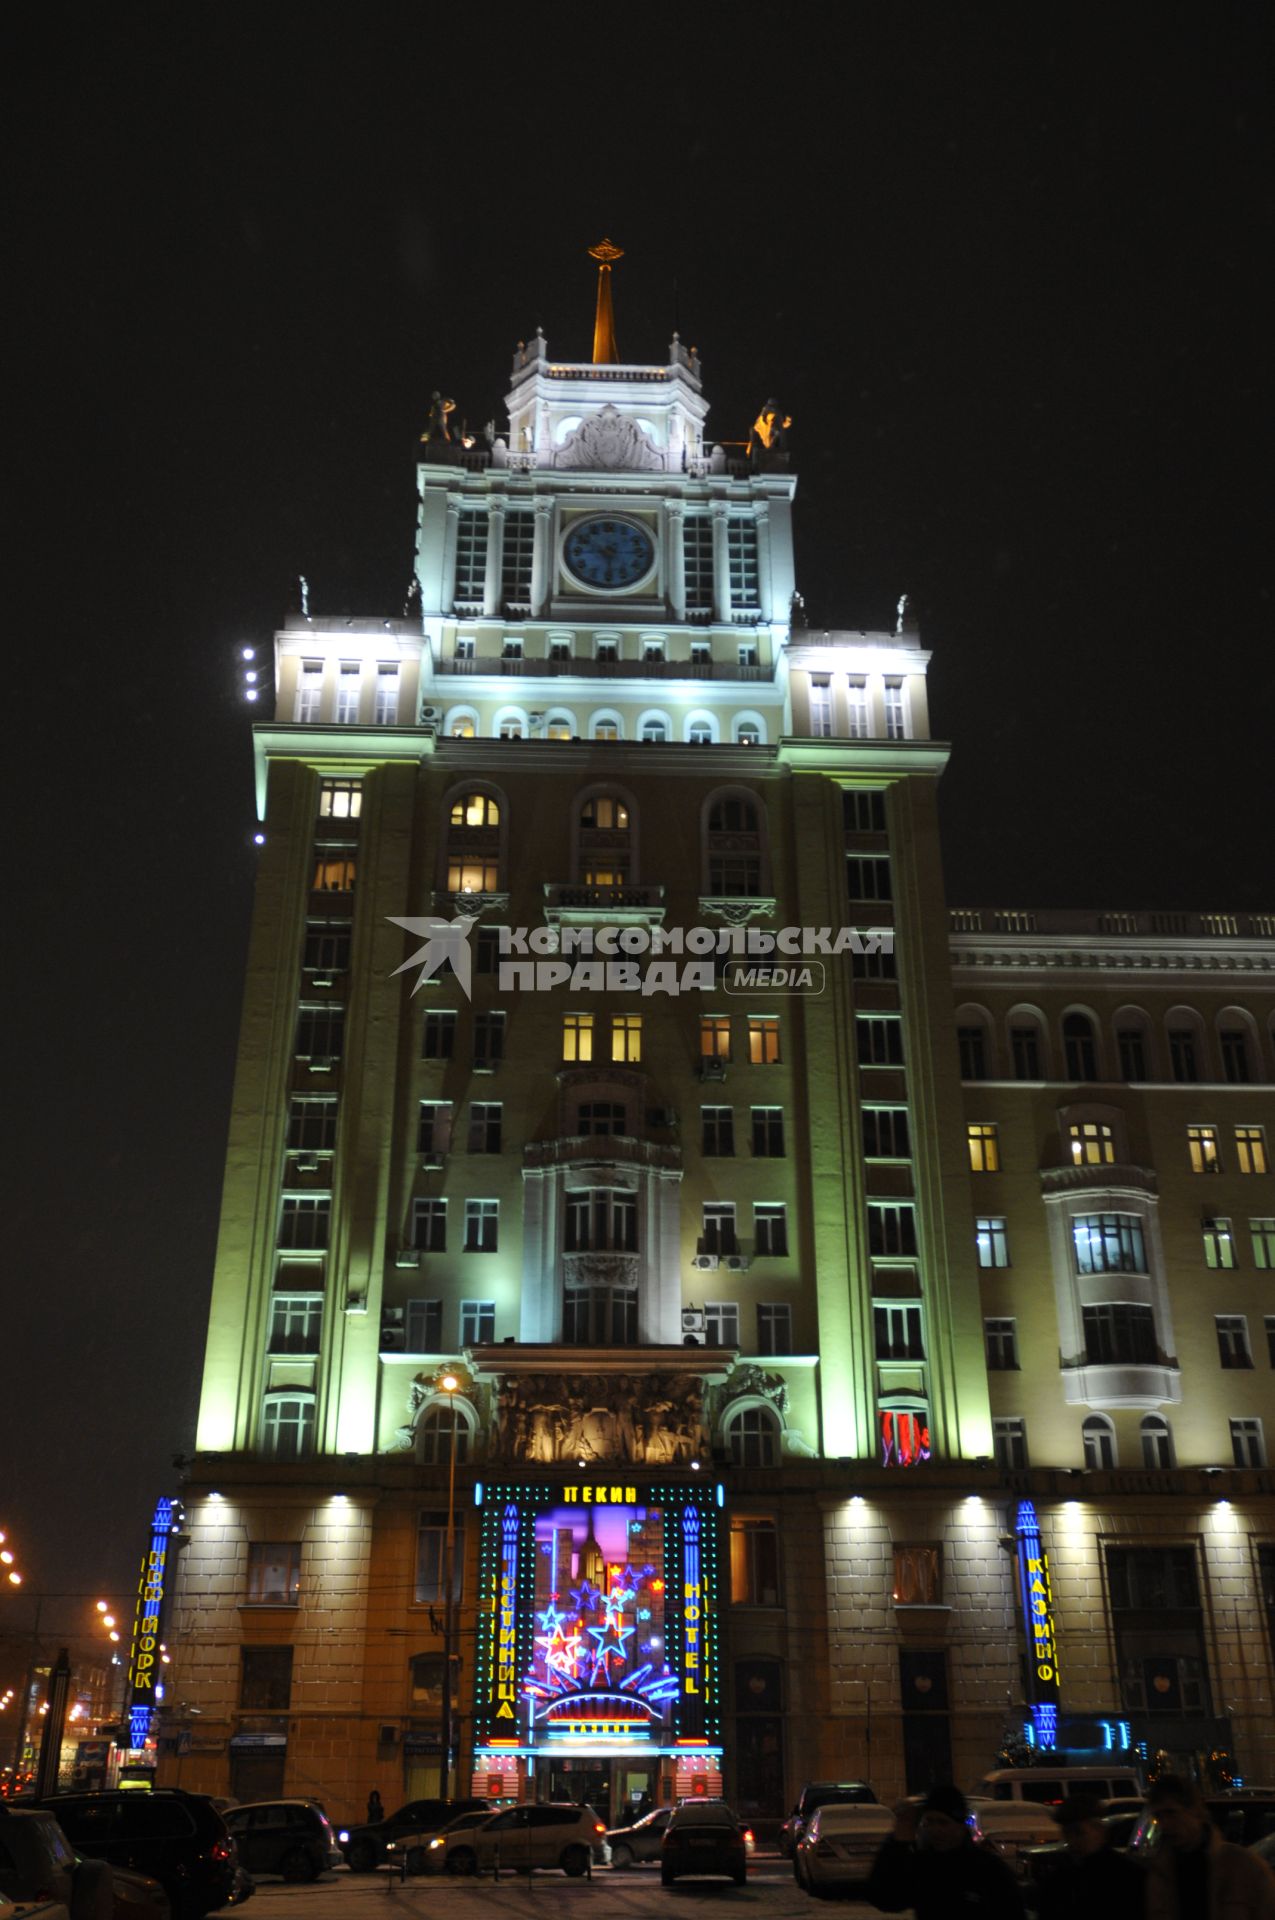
x=1005 y=266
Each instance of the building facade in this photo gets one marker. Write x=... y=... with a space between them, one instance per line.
x=652 y=1351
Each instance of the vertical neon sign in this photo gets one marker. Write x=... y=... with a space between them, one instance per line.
x=1043 y=1685
x=693 y=1610
x=143 y=1663
x=507 y=1611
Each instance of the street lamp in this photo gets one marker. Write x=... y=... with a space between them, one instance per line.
x=448 y=1383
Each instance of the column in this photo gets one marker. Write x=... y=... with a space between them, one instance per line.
x=675 y=560
x=541 y=559
x=495 y=559
x=721 y=563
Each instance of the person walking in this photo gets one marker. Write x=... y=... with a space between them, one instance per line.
x=932 y=1864
x=375 y=1811
x=1094 y=1882
x=1195 y=1874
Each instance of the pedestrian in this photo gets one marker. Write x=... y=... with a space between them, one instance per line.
x=932 y=1864
x=1196 y=1874
x=1094 y=1882
x=375 y=1811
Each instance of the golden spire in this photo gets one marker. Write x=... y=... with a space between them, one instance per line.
x=605 y=351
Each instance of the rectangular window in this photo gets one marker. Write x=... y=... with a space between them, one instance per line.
x=482 y=1226
x=336 y=869
x=1270 y=1339
x=309 y=692
x=878 y=964
x=340 y=799
x=274 y=1573
x=763 y=1040
x=857 y=709
x=879 y=1038
x=770 y=1230
x=897 y=1330
x=1262 y=1234
x=423 y=1332
x=296 y=1321
x=473 y=876
x=718 y=1234
x=601 y=1220
x=265 y=1681
x=386 y=710
x=484 y=1126
x=312 y=1123
x=1009 y=1442
x=774 y=1327
x=1250 y=1150
x=868 y=876
x=714 y=1037
x=741 y=555
x=489 y=1039
x=717 y=1130
x=885 y=1133
x=477 y=1323
x=1119 y=1333
x=820 y=706
x=320 y=1032
x=487 y=960
x=1024 y=1045
x=1000 y=1338
x=304 y=1221
x=971 y=1045
x=327 y=948
x=1092 y=1143
x=697 y=562
x=1182 y=1060
x=1202 y=1146
x=1219 y=1244
x=577 y=1038
x=429 y=1226
x=434 y=1127
x=1108 y=1243
x=1232 y=1340
x=626 y=1037
x=347 y=693
x=891 y=1228
x=1248 y=1444
x=984 y=1146
x=471 y=558
x=754 y=1561
x=863 y=809
x=991 y=1237
x=1234 y=1045
x=438 y=1037
x=287 y=1426
x=768 y=1133
x=918 y=1577
x=431 y=1560
x=515 y=576
x=1159 y=1630
x=1133 y=1053
x=599 y=1316
x=721 y=1323
x=896 y=721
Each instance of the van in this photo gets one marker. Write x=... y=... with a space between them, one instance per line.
x=1047 y=1786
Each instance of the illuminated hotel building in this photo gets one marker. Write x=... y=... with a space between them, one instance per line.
x=772 y=1315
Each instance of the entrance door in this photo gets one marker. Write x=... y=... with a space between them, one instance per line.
x=583 y=1780
x=633 y=1790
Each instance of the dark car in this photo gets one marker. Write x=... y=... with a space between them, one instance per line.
x=703 y=1836
x=1243 y=1817
x=821 y=1793
x=641 y=1841
x=364 y=1847
x=177 y=1838
x=291 y=1837
x=37 y=1862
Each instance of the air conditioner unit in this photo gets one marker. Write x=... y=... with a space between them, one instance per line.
x=712 y=1070
x=431 y=713
x=692 y=1319
x=407 y=1257
x=536 y=719
x=706 y=1262
x=736 y=1262
x=432 y=1162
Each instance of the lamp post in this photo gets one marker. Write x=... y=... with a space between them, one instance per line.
x=448 y=1384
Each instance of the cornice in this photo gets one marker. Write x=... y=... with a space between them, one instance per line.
x=1007 y=953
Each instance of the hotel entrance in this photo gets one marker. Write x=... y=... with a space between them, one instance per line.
x=619 y=1791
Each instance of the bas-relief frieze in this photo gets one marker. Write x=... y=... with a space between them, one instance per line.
x=650 y=1419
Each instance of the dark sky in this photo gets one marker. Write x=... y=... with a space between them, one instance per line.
x=1006 y=268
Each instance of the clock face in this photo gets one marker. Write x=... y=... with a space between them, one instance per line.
x=608 y=554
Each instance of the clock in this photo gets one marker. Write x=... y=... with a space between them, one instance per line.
x=608 y=554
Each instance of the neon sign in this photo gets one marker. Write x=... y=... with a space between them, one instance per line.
x=1043 y=1684
x=143 y=1659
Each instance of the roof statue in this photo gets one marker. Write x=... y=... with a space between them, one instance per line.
x=605 y=351
x=437 y=427
x=766 y=444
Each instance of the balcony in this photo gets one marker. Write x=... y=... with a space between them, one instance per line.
x=619 y=1149
x=569 y=905
x=1113 y=1177
x=1120 y=924
x=578 y=667
x=1145 y=1384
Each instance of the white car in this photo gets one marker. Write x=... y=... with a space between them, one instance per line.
x=1012 y=1826
x=563 y=1834
x=431 y=1850
x=838 y=1844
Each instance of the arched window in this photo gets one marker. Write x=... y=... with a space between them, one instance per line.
x=461 y=723
x=1099 y=1439
x=1157 y=1441
x=1135 y=1046
x=560 y=724
x=606 y=724
x=1028 y=1045
x=605 y=839
x=475 y=843
x=1188 y=1053
x=510 y=724
x=748 y=730
x=752 y=1435
x=904 y=1425
x=701 y=729
x=1238 y=1047
x=1080 y=1047
x=435 y=1428
x=735 y=846
x=975 y=1043
x=475 y=810
x=287 y=1425
x=654 y=727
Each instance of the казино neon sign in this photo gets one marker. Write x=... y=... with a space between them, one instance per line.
x=1043 y=1685
x=599 y=1618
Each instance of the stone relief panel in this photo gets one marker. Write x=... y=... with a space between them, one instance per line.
x=606 y=442
x=652 y=1419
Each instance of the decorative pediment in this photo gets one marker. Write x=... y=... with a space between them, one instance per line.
x=606 y=442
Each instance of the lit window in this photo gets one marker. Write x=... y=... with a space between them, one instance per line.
x=429 y=1226
x=1203 y=1149
x=905 y=1434
x=473 y=876
x=754 y=1561
x=897 y=1331
x=1108 y=1243
x=462 y=727
x=721 y=1323
x=714 y=1037
x=747 y=733
x=717 y=1131
x=1232 y=1340
x=1248 y=1446
x=984 y=1146
x=626 y=1037
x=274 y=1573
x=1009 y=1442
x=1250 y=1150
x=605 y=814
x=1000 y=1338
x=484 y=1126
x=768 y=1133
x=763 y=1040
x=335 y=870
x=1219 y=1244
x=477 y=1323
x=340 y=799
x=482 y=1226
x=992 y=1241
x=774 y=1327
x=386 y=711
x=474 y=810
x=1263 y=1237
x=718 y=1235
x=287 y=1426
x=1093 y=1144
x=770 y=1231
x=347 y=693
x=918 y=1577
x=577 y=1037
x=560 y=727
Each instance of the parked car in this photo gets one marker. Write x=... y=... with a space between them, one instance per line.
x=703 y=1837
x=1244 y=1817
x=564 y=1834
x=428 y=1851
x=364 y=1847
x=31 y=1909
x=1012 y=1827
x=177 y=1838
x=138 y=1896
x=291 y=1837
x=1039 y=1864
x=1048 y=1786
x=642 y=1840
x=38 y=1862
x=838 y=1844
x=821 y=1793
